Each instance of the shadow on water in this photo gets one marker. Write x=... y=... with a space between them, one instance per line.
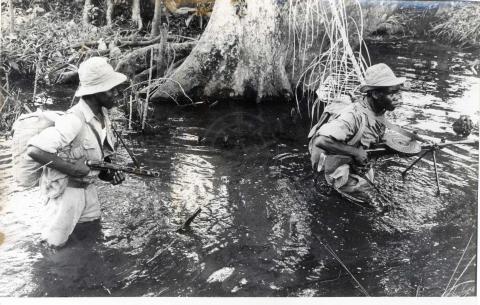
x=268 y=227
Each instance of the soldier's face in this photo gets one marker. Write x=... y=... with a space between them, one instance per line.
x=107 y=98
x=389 y=99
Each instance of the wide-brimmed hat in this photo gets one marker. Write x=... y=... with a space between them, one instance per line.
x=97 y=75
x=380 y=76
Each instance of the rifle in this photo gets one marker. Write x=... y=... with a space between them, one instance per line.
x=434 y=146
x=427 y=148
x=100 y=165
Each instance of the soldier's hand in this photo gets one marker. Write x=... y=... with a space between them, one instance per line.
x=118 y=177
x=79 y=168
x=361 y=157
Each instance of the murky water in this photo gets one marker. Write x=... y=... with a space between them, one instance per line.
x=266 y=227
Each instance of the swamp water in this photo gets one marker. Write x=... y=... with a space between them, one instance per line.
x=266 y=227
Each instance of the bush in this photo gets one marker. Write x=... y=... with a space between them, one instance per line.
x=43 y=42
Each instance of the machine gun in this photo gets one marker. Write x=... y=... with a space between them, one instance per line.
x=424 y=150
x=101 y=165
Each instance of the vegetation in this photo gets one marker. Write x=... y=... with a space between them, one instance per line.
x=460 y=27
x=44 y=41
x=453 y=23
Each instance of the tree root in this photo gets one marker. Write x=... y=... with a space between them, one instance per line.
x=205 y=74
x=138 y=60
x=127 y=43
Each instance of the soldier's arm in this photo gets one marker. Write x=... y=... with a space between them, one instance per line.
x=43 y=147
x=77 y=169
x=336 y=147
x=333 y=135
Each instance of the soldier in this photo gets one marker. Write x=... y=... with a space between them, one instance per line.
x=83 y=133
x=338 y=146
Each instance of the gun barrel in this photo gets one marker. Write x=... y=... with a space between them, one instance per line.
x=126 y=169
x=440 y=145
x=426 y=146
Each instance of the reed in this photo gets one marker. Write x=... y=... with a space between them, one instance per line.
x=326 y=27
x=335 y=256
x=11 y=106
x=450 y=289
x=145 y=103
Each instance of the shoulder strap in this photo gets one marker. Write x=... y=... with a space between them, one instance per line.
x=358 y=135
x=81 y=116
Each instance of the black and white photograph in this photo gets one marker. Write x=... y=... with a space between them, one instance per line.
x=237 y=151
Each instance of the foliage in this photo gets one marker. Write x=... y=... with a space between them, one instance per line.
x=47 y=40
x=460 y=26
x=40 y=44
x=394 y=25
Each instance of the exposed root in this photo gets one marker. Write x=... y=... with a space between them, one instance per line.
x=137 y=60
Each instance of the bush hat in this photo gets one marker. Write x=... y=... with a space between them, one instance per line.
x=97 y=75
x=380 y=76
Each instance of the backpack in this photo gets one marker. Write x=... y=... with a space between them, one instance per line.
x=27 y=171
x=332 y=111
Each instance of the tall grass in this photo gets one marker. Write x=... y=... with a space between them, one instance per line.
x=460 y=26
x=328 y=28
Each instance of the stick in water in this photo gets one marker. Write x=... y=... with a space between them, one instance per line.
x=130 y=153
x=189 y=220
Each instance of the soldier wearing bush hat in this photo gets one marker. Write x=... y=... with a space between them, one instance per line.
x=338 y=146
x=83 y=133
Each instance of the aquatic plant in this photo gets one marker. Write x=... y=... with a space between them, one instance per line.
x=460 y=26
x=337 y=69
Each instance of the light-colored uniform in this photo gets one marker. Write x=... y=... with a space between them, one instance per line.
x=78 y=133
x=358 y=117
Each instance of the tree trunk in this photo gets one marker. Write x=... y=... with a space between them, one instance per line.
x=86 y=9
x=136 y=16
x=11 y=11
x=240 y=54
x=261 y=50
x=109 y=12
x=156 y=21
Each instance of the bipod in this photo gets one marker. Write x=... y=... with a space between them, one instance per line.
x=432 y=150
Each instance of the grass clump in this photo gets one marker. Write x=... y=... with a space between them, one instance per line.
x=460 y=26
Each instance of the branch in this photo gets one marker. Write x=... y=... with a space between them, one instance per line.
x=129 y=43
